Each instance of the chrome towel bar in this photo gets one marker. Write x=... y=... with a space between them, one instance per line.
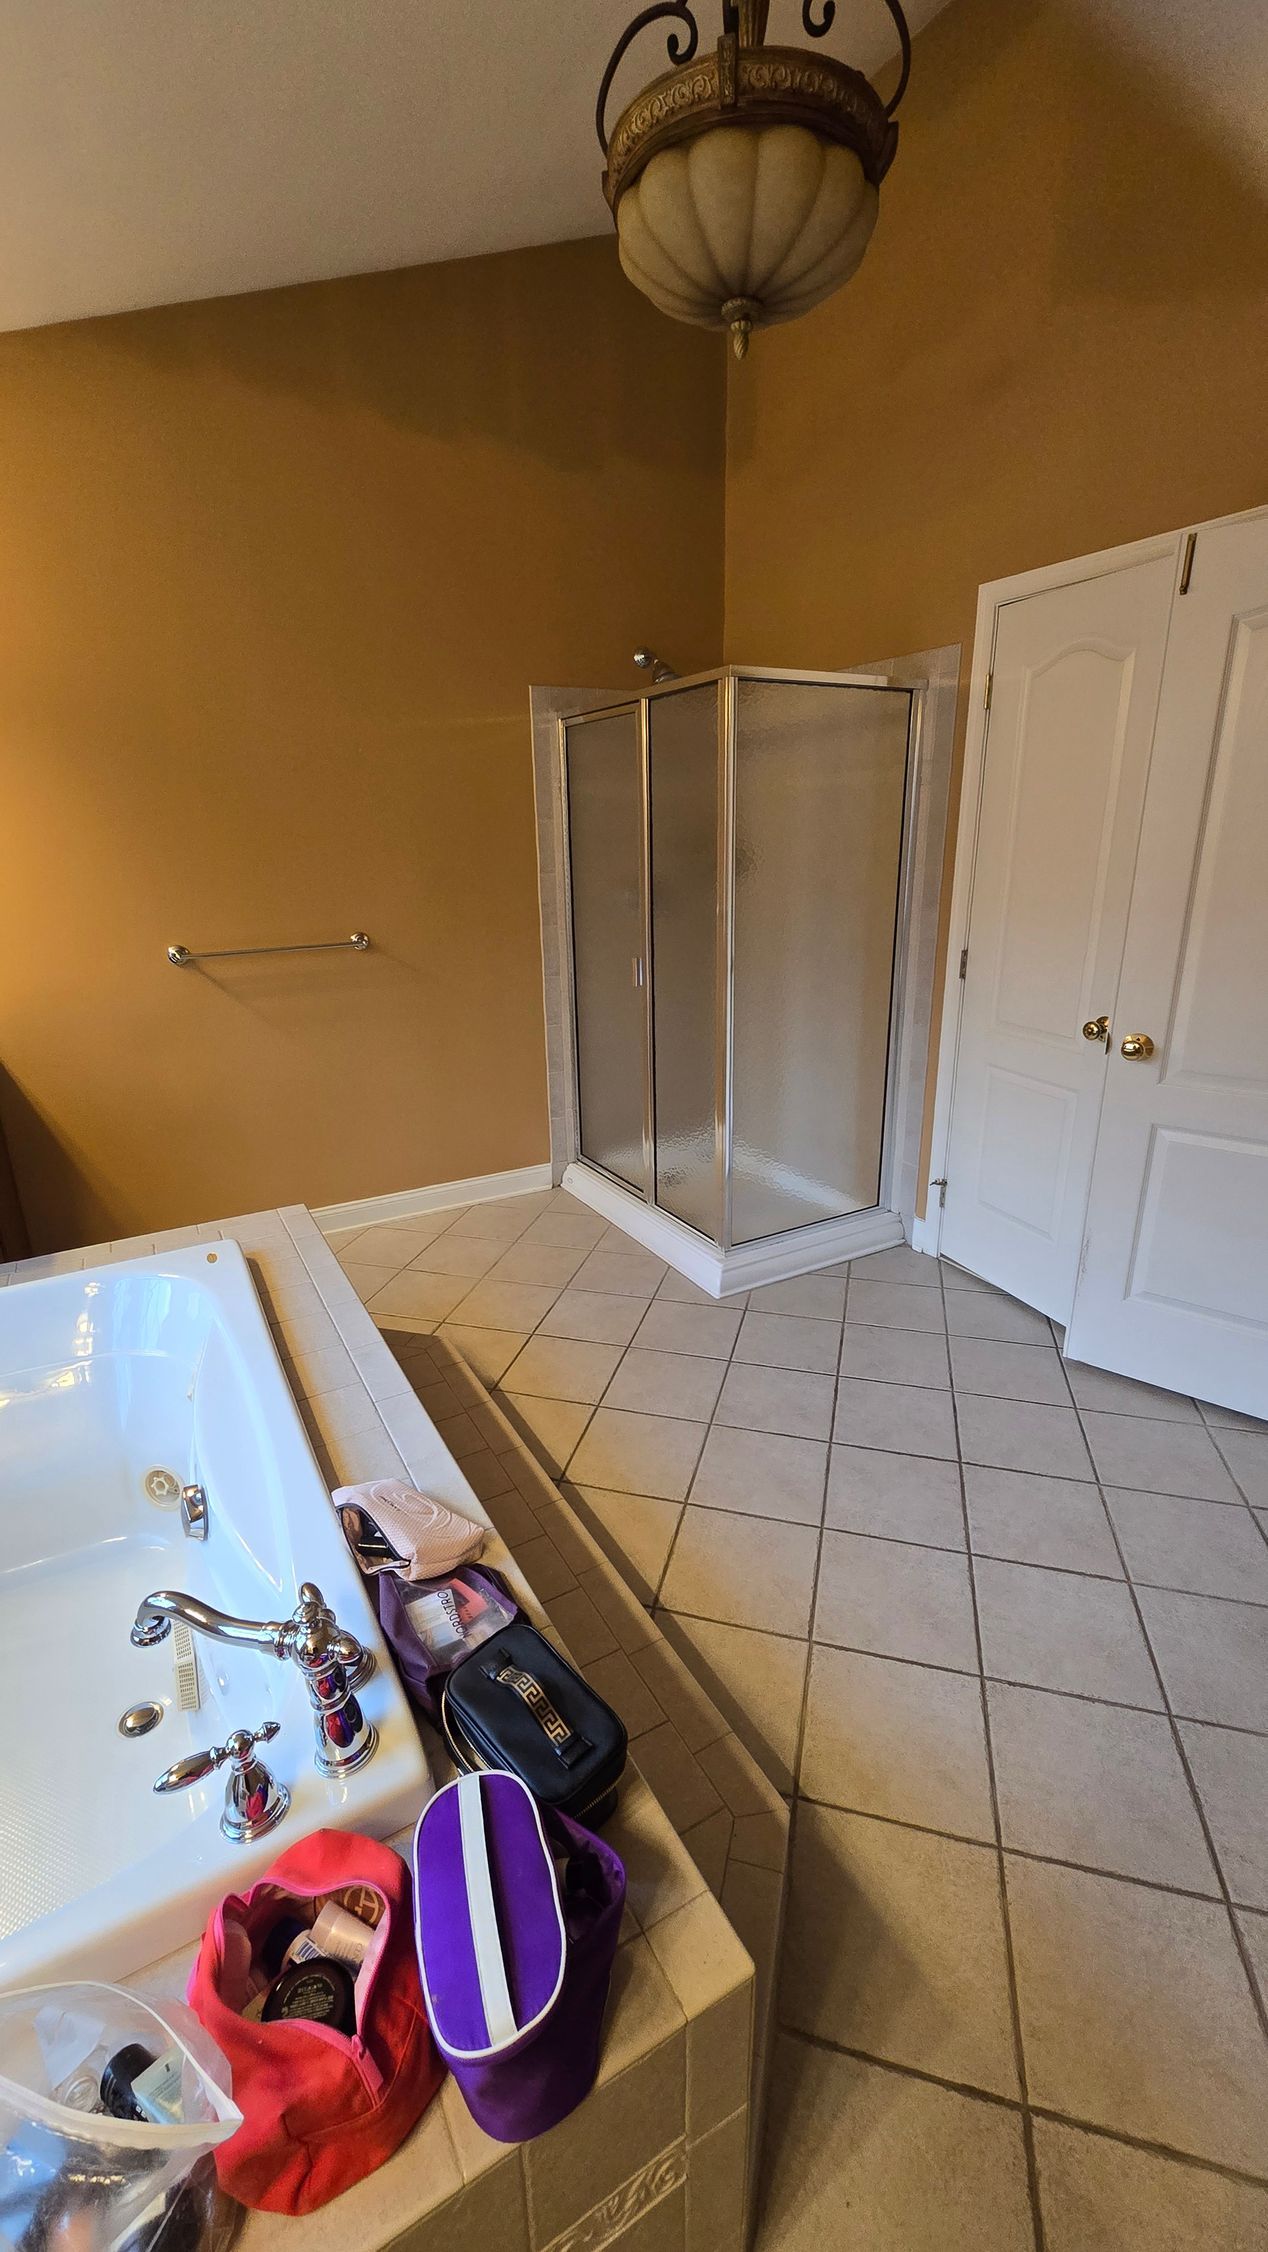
x=180 y=956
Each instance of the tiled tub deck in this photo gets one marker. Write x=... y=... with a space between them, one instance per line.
x=658 y=2157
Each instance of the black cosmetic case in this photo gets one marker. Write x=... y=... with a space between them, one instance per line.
x=516 y=1703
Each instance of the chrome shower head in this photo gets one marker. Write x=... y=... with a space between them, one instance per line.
x=648 y=661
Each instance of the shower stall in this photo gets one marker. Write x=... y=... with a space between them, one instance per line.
x=736 y=856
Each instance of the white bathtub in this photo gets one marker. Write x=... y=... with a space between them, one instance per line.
x=106 y=1374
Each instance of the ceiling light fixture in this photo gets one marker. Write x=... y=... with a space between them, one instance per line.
x=744 y=183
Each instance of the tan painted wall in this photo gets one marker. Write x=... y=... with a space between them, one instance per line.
x=1057 y=341
x=275 y=575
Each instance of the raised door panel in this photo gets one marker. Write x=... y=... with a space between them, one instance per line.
x=1076 y=672
x=1175 y=1282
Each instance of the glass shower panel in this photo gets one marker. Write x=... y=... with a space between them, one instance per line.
x=820 y=777
x=605 y=850
x=684 y=865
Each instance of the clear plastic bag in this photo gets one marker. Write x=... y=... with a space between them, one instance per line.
x=74 y=2178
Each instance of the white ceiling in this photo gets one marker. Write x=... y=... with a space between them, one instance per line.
x=158 y=150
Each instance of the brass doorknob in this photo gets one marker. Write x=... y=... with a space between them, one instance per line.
x=1097 y=1028
x=1138 y=1047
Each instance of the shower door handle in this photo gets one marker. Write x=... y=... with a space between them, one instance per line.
x=637 y=972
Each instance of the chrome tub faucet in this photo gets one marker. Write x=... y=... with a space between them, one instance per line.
x=334 y=1664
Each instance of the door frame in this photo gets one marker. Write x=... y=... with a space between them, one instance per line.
x=993 y=596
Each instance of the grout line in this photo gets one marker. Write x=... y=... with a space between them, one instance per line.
x=695 y=1468
x=1259 y=2002
x=1212 y=1899
x=1010 y=1959
x=1040 y=2110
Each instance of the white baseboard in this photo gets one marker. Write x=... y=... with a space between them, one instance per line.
x=405 y=1204
x=775 y=1259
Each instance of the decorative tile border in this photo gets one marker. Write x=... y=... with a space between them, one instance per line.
x=615 y=2214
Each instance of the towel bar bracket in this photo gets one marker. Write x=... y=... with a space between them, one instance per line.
x=181 y=956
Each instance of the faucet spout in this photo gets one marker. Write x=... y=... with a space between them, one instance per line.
x=332 y=1663
x=153 y=1622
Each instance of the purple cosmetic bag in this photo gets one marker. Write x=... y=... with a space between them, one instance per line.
x=517 y=1911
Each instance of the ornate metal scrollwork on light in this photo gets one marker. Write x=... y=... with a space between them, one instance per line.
x=744 y=183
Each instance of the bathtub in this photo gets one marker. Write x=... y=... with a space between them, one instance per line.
x=107 y=1376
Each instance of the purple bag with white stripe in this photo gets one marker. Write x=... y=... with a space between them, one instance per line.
x=517 y=1911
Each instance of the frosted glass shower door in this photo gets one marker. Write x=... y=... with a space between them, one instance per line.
x=820 y=782
x=604 y=778
x=684 y=763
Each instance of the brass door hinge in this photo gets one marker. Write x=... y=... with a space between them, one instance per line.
x=964 y=961
x=941 y=1187
x=1186 y=568
x=986 y=700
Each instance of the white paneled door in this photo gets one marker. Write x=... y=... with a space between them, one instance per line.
x=1075 y=680
x=1174 y=1287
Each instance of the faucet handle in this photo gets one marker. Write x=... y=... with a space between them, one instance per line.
x=313 y=1612
x=254 y=1800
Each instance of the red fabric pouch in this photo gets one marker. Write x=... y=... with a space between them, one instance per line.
x=320 y=2110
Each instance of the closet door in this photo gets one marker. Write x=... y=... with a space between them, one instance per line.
x=1076 y=671
x=1175 y=1281
x=604 y=775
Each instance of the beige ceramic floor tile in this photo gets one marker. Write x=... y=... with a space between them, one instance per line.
x=1254 y=1931
x=546 y=1263
x=902 y=1264
x=896 y=1601
x=896 y=1946
x=488 y=1351
x=632 y=1275
x=417 y=1296
x=1027 y=1519
x=789 y=1341
x=640 y=1454
x=860 y=2159
x=1206 y=1547
x=1060 y=1630
x=1246 y=1453
x=898 y=1496
x=987 y=1313
x=367 y=1281
x=551 y=1427
x=1009 y=1372
x=902 y=1418
x=1157 y=1457
x=896 y=1356
x=495 y=1223
x=388 y=1246
x=1231 y=1773
x=634 y=1530
x=1121 y=1395
x=761 y=1474
x=893 y=1305
x=777 y=1399
x=682 y=1291
x=745 y=1571
x=561 y=1368
x=1017 y=1435
x=672 y=1328
x=822 y=1297
x=469 y=1255
x=1136 y=2012
x=1098 y=2195
x=681 y=1384
x=589 y=1315
x=504 y=1305
x=1213 y=1656
x=756 y=1681
x=1096 y=1784
x=576 y=1230
x=907 y=1742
